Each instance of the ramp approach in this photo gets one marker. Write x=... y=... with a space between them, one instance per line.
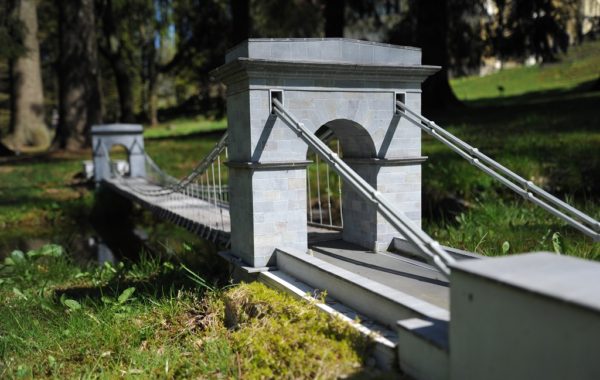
x=316 y=185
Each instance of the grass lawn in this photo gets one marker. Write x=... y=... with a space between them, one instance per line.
x=581 y=66
x=156 y=318
x=546 y=127
x=62 y=317
x=184 y=127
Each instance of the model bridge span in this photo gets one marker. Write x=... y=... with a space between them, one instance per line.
x=363 y=242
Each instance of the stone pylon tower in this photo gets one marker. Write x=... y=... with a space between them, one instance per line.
x=348 y=85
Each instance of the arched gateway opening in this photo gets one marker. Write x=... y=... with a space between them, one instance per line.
x=330 y=203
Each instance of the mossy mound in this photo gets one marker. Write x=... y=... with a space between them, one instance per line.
x=277 y=336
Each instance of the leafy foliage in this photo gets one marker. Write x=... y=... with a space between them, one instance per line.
x=11 y=32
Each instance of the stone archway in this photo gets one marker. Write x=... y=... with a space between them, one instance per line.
x=130 y=136
x=337 y=81
x=352 y=142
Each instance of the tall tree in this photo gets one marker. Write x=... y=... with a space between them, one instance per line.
x=334 y=12
x=533 y=27
x=116 y=49
x=28 y=126
x=187 y=39
x=432 y=34
x=157 y=52
x=287 y=18
x=240 y=14
x=11 y=40
x=79 y=92
x=426 y=26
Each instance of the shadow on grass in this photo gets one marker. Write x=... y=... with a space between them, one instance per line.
x=576 y=111
x=552 y=137
x=164 y=283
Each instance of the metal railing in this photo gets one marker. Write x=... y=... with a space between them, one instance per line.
x=201 y=196
x=324 y=190
x=425 y=245
x=526 y=189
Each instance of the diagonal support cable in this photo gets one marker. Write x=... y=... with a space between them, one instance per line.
x=527 y=189
x=427 y=246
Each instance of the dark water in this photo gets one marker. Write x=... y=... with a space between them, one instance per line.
x=113 y=230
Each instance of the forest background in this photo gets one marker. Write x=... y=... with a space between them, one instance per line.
x=68 y=64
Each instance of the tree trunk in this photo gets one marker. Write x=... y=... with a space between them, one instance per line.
x=150 y=81
x=29 y=127
x=432 y=26
x=124 y=88
x=334 y=13
x=114 y=52
x=153 y=101
x=12 y=104
x=80 y=99
x=240 y=12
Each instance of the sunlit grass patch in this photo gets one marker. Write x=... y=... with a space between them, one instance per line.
x=154 y=319
x=278 y=337
x=183 y=127
x=498 y=227
x=578 y=67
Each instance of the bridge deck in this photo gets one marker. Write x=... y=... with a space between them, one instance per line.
x=409 y=276
x=206 y=219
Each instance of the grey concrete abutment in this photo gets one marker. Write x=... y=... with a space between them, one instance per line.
x=527 y=316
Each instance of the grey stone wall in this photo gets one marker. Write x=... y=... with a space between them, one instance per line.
x=267 y=209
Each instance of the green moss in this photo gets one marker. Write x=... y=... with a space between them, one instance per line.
x=279 y=337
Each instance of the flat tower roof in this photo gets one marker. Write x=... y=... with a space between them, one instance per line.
x=325 y=50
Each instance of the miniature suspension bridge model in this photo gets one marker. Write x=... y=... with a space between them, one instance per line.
x=358 y=235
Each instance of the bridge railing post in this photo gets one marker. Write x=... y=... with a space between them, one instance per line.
x=130 y=136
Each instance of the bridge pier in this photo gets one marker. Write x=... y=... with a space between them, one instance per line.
x=130 y=136
x=400 y=181
x=267 y=209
